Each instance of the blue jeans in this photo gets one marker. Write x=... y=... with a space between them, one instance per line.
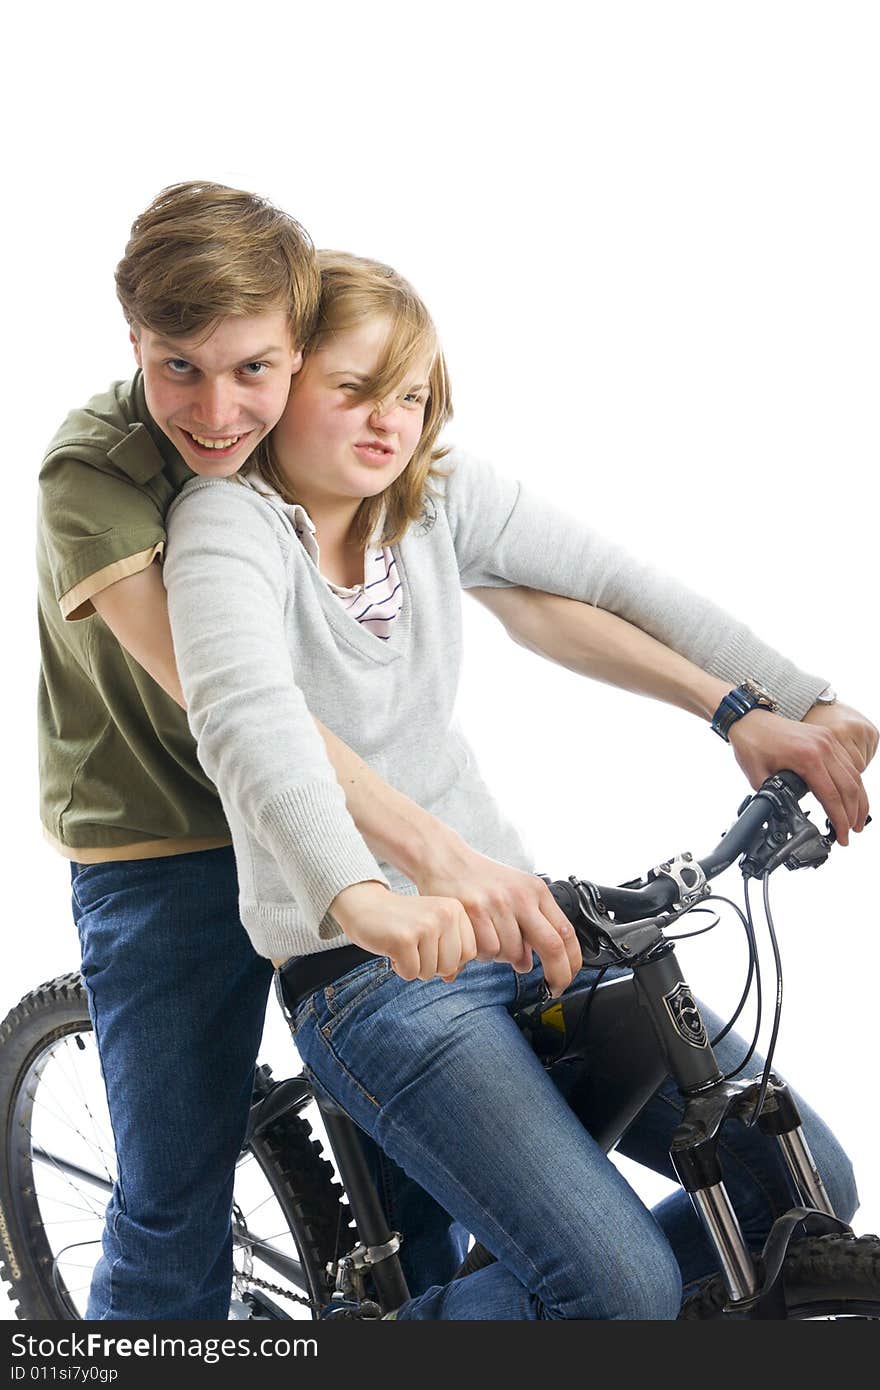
x=177 y=997
x=442 y=1078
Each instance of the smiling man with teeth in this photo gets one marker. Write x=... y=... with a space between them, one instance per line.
x=216 y=396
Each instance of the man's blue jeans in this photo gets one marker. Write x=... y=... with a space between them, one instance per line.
x=177 y=997
x=442 y=1078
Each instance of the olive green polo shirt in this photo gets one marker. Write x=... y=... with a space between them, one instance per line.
x=119 y=777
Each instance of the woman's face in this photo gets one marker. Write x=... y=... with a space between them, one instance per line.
x=330 y=445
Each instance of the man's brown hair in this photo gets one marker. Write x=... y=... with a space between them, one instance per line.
x=202 y=252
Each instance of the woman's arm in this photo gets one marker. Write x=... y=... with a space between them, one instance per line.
x=509 y=911
x=227 y=591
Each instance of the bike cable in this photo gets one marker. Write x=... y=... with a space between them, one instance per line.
x=685 y=935
x=584 y=1019
x=57 y=1283
x=755 y=968
x=720 y=898
x=777 y=1015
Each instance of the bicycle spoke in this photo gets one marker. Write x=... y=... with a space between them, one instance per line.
x=249 y=1213
x=97 y=1211
x=62 y=1118
x=90 y=1213
x=104 y=1138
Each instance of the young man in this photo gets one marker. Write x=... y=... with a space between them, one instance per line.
x=176 y=992
x=220 y=291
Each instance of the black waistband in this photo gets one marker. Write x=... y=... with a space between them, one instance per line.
x=302 y=975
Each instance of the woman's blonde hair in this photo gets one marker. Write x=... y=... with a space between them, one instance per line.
x=354 y=289
x=203 y=252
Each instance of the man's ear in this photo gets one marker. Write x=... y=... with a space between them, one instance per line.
x=296 y=364
x=137 y=347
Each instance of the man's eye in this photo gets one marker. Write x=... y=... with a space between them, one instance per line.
x=178 y=365
x=255 y=368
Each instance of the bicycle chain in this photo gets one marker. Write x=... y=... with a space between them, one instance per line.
x=259 y=1283
x=275 y=1288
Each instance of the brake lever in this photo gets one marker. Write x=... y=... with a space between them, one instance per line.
x=802 y=848
x=813 y=857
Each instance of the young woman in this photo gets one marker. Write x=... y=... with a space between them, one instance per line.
x=326 y=583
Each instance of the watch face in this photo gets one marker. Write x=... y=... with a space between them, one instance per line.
x=757 y=690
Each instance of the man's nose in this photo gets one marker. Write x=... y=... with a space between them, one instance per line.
x=216 y=408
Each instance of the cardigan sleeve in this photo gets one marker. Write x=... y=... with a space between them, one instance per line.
x=227 y=585
x=505 y=535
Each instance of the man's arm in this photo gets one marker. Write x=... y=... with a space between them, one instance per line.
x=830 y=748
x=136 y=611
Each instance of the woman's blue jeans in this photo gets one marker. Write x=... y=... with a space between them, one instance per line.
x=177 y=997
x=442 y=1078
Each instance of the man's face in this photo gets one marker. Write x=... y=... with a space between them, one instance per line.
x=217 y=397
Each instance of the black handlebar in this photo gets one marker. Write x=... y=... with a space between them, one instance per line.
x=770 y=829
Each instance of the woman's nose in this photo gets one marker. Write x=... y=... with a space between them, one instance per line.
x=382 y=415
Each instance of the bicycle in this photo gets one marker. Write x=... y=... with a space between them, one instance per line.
x=617 y=1039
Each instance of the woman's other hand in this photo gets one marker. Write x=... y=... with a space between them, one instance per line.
x=513 y=913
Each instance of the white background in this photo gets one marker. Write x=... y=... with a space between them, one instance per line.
x=649 y=235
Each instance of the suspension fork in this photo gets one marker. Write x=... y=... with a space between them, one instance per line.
x=709 y=1101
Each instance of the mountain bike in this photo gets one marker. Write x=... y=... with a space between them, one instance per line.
x=308 y=1246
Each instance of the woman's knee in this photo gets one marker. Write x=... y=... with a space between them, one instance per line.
x=839 y=1177
x=634 y=1280
x=647 y=1287
x=833 y=1165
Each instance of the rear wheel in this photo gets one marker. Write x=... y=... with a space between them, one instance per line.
x=59 y=1165
x=832 y=1276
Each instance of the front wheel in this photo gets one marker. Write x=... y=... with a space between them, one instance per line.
x=832 y=1276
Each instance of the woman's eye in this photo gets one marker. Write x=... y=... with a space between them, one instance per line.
x=414 y=398
x=349 y=386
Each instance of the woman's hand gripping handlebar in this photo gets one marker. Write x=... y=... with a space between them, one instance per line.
x=469 y=907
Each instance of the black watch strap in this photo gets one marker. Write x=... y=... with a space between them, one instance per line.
x=737 y=702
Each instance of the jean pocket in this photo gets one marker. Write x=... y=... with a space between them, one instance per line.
x=350 y=990
x=88 y=885
x=296 y=1019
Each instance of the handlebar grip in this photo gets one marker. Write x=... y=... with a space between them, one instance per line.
x=796 y=785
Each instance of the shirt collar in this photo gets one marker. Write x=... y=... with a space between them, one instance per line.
x=302 y=523
x=178 y=470
x=294 y=511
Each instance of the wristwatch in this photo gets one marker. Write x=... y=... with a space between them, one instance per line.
x=745 y=697
x=828 y=696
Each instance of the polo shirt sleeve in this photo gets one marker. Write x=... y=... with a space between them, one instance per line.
x=505 y=535
x=98 y=526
